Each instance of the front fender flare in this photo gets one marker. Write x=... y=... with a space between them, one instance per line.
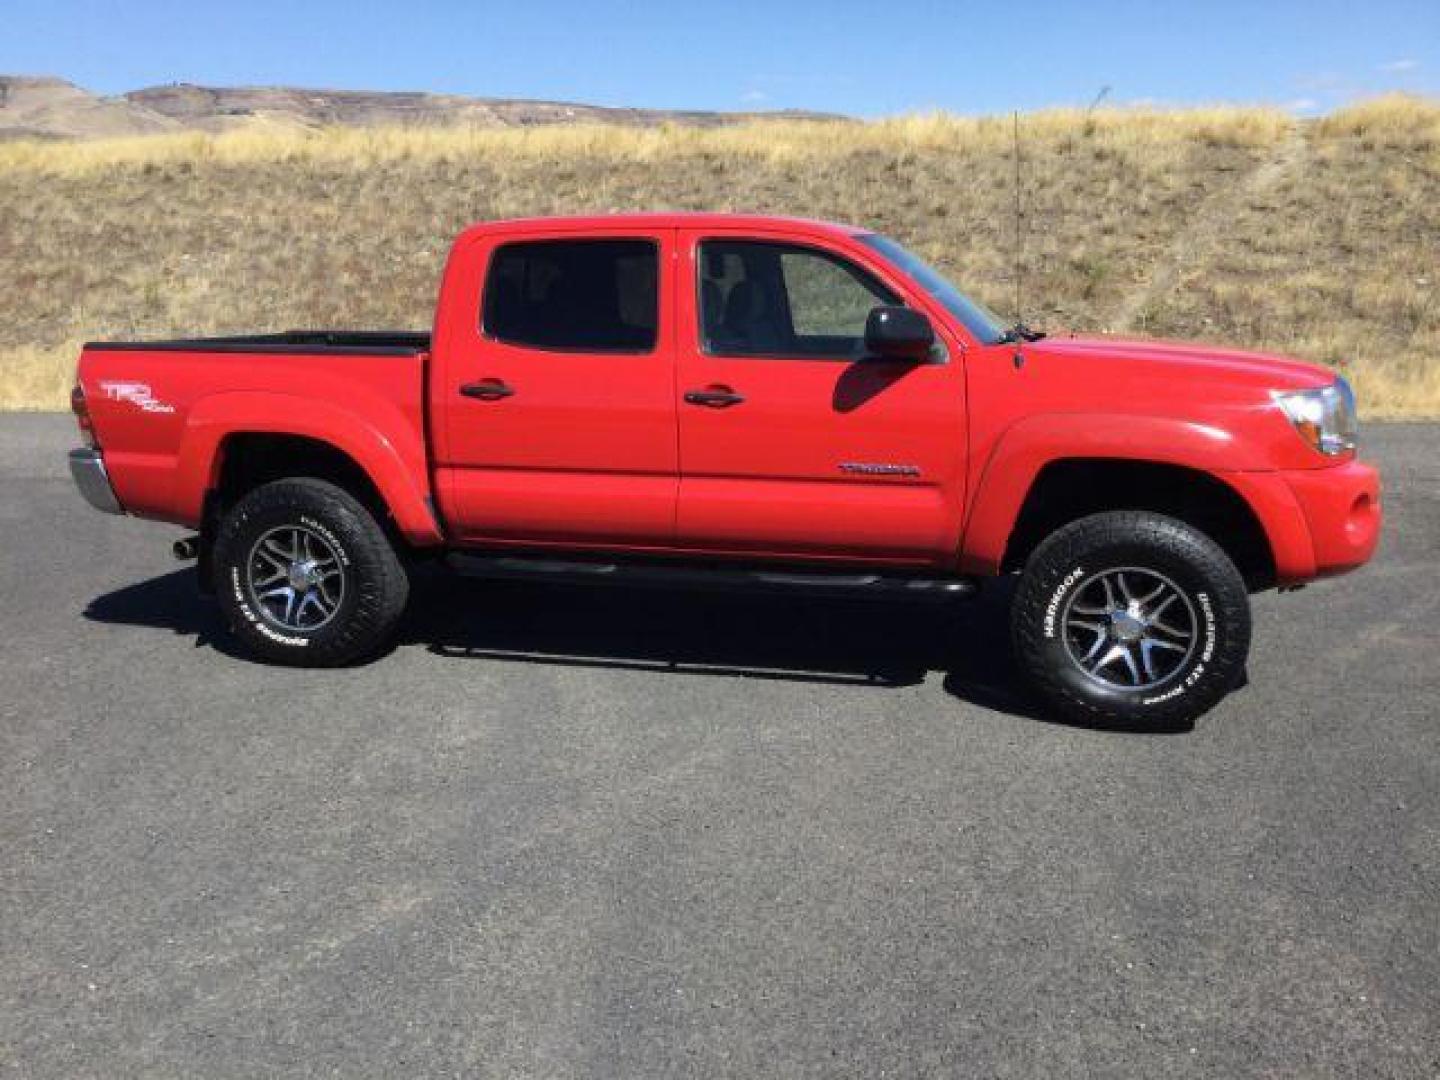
x=1027 y=446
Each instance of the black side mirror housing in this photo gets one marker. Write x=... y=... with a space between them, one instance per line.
x=898 y=333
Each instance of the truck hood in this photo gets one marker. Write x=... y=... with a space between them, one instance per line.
x=1188 y=360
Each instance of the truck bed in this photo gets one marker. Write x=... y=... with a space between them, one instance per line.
x=164 y=410
x=326 y=342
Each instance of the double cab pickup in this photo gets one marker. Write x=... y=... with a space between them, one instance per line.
x=742 y=401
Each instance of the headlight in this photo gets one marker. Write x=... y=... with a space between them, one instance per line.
x=1325 y=418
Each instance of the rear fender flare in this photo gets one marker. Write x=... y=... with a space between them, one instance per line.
x=391 y=453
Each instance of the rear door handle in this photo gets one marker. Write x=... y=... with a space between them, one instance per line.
x=487 y=390
x=715 y=397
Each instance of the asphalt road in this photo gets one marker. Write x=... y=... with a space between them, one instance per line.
x=588 y=833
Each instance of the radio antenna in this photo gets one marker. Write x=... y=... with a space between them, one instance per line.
x=1019 y=233
x=1018 y=334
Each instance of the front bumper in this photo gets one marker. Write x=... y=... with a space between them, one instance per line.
x=1342 y=508
x=87 y=467
x=1318 y=521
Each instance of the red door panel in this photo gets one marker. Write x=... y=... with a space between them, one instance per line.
x=556 y=445
x=817 y=457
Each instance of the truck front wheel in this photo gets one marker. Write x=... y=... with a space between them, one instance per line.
x=305 y=575
x=1131 y=619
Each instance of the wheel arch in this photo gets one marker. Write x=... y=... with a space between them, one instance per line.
x=232 y=442
x=1050 y=469
x=245 y=460
x=1068 y=489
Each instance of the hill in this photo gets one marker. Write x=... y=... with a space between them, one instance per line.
x=47 y=107
x=205 y=107
x=1319 y=239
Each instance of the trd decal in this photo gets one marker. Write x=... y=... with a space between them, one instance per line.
x=137 y=394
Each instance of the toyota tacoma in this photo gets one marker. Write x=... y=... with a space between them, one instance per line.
x=741 y=401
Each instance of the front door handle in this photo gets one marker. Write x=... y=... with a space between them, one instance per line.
x=487 y=390
x=714 y=397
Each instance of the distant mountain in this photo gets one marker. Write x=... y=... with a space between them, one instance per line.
x=43 y=107
x=56 y=109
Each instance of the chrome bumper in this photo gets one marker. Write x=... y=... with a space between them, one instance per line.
x=88 y=469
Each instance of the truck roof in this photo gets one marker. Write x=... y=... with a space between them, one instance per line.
x=657 y=220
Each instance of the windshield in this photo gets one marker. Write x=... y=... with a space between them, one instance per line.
x=978 y=319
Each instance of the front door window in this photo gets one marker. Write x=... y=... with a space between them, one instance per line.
x=784 y=301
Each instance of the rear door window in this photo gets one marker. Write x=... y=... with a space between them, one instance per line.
x=596 y=296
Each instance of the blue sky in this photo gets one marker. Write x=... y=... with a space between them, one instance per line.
x=866 y=59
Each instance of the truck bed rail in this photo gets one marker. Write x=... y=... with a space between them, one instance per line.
x=328 y=342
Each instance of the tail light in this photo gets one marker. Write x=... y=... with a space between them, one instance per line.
x=82 y=416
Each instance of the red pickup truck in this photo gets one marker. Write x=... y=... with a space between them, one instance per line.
x=741 y=401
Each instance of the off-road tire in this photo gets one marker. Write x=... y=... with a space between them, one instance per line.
x=375 y=585
x=1071 y=560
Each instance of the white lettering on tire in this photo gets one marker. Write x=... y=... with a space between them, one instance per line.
x=1053 y=607
x=1209 y=650
x=255 y=620
x=1195 y=674
x=329 y=536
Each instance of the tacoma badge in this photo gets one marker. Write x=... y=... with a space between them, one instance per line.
x=879 y=468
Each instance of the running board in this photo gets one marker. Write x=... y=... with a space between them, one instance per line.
x=681 y=575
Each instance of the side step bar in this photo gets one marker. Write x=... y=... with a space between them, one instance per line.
x=716 y=576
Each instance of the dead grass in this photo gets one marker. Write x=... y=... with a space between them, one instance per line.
x=1338 y=260
x=1331 y=254
x=37 y=377
x=1392 y=121
x=771 y=141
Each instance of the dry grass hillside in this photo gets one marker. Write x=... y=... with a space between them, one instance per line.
x=1320 y=239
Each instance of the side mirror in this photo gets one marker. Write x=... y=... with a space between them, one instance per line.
x=898 y=333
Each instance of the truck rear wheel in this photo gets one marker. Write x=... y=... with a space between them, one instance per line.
x=305 y=575
x=1131 y=619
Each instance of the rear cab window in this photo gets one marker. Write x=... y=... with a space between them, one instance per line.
x=577 y=296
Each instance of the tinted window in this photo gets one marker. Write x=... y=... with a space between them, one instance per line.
x=574 y=295
x=764 y=299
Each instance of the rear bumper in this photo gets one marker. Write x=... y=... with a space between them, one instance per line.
x=87 y=467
